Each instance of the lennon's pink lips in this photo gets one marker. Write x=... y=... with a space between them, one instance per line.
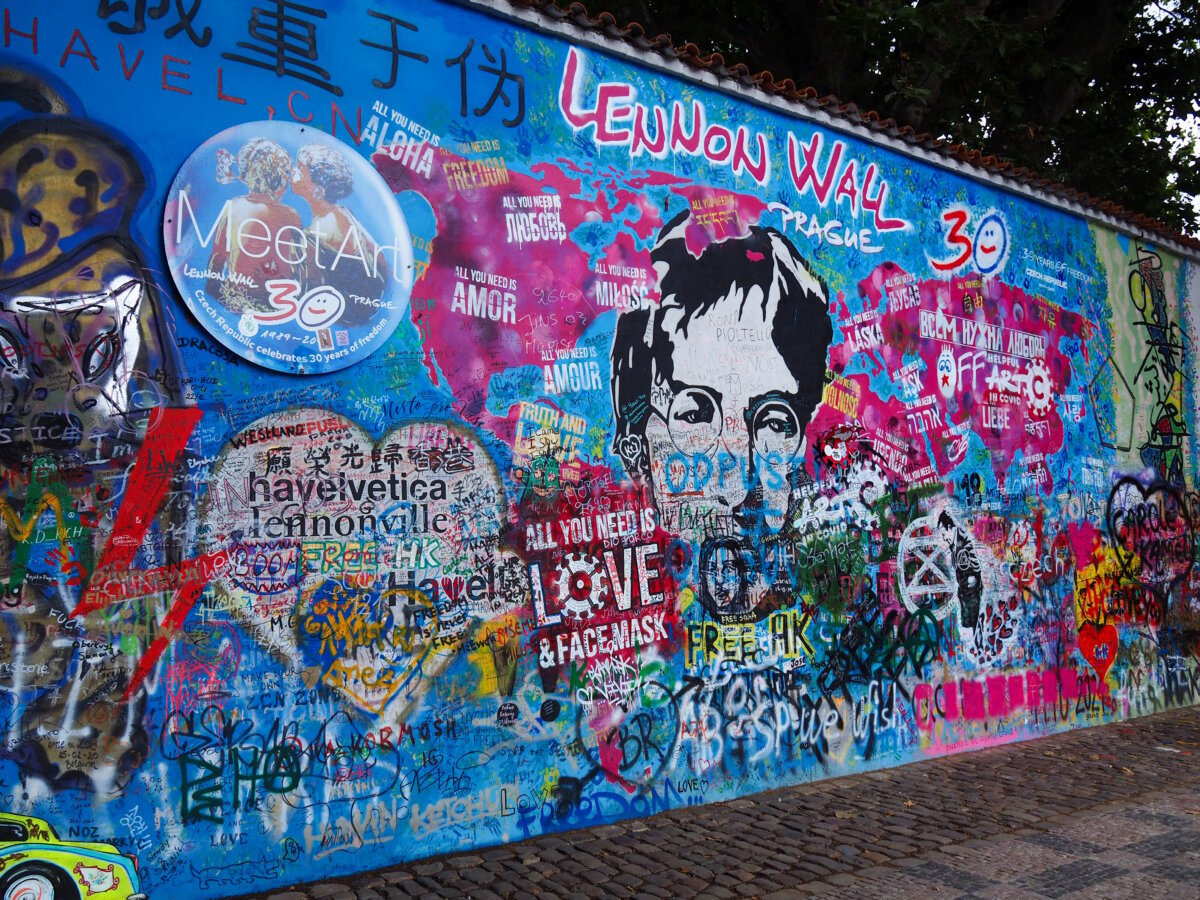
x=986 y=249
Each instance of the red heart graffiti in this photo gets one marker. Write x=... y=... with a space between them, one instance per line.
x=1098 y=644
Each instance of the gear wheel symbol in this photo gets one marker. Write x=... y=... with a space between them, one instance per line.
x=581 y=586
x=1039 y=388
x=868 y=480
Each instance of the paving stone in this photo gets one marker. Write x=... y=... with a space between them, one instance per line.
x=1184 y=874
x=427 y=883
x=946 y=875
x=502 y=852
x=605 y=890
x=1063 y=844
x=655 y=890
x=328 y=890
x=875 y=872
x=396 y=876
x=811 y=868
x=1167 y=846
x=841 y=880
x=1071 y=877
x=477 y=876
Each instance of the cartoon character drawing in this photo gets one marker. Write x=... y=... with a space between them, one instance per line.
x=35 y=864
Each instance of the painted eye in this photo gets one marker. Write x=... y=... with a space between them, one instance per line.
x=695 y=408
x=99 y=355
x=777 y=419
x=776 y=429
x=10 y=353
x=694 y=420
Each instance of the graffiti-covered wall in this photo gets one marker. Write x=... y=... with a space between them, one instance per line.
x=424 y=426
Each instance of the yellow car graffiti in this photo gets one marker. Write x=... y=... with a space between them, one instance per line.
x=36 y=865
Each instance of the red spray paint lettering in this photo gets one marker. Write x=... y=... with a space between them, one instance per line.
x=158 y=461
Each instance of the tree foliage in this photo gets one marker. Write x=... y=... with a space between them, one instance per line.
x=1092 y=93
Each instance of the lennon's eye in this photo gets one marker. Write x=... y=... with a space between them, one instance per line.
x=695 y=407
x=694 y=420
x=779 y=424
x=10 y=353
x=99 y=355
x=776 y=429
x=777 y=419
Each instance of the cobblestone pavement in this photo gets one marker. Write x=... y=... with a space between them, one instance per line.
x=1099 y=813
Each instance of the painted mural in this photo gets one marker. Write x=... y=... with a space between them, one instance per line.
x=423 y=428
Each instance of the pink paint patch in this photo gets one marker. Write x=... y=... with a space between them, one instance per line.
x=997 y=696
x=1085 y=541
x=1016 y=692
x=1068 y=683
x=1033 y=688
x=611 y=756
x=754 y=256
x=950 y=700
x=972 y=701
x=467 y=252
x=483 y=232
x=717 y=215
x=992 y=364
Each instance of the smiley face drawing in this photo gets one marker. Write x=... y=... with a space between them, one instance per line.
x=991 y=244
x=320 y=307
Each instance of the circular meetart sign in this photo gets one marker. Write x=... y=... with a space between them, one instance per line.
x=288 y=247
